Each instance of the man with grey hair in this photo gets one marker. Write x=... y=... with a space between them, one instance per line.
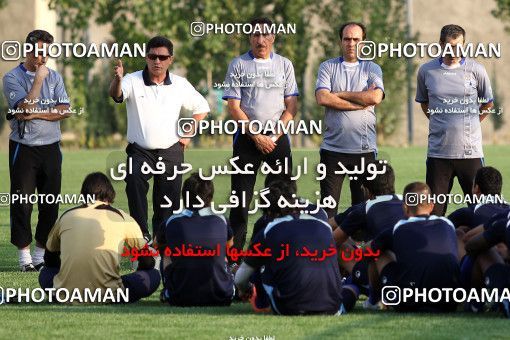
x=455 y=94
x=261 y=88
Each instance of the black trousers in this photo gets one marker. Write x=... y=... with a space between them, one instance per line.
x=332 y=183
x=245 y=148
x=442 y=171
x=137 y=184
x=31 y=168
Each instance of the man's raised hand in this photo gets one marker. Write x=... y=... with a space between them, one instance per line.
x=118 y=69
x=41 y=71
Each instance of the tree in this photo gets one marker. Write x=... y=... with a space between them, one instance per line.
x=502 y=11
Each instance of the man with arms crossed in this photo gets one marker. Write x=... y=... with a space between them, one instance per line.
x=455 y=139
x=349 y=89
x=154 y=99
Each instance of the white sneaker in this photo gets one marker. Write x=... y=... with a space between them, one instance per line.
x=28 y=268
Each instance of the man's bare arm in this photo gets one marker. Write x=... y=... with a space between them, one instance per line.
x=484 y=110
x=30 y=101
x=289 y=113
x=425 y=109
x=332 y=101
x=477 y=244
x=186 y=140
x=58 y=112
x=115 y=90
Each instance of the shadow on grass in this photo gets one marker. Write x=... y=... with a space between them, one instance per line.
x=141 y=307
x=154 y=307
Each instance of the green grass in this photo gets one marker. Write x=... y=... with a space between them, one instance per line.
x=149 y=318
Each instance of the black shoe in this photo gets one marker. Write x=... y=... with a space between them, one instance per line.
x=163 y=297
x=28 y=268
x=39 y=266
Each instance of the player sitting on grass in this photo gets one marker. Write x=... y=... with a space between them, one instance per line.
x=90 y=239
x=380 y=212
x=488 y=262
x=487 y=187
x=311 y=209
x=471 y=220
x=195 y=279
x=420 y=252
x=291 y=282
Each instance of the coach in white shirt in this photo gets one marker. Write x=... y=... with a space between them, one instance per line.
x=154 y=98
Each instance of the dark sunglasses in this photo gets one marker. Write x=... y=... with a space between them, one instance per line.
x=158 y=56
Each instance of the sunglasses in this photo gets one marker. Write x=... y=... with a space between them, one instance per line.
x=158 y=56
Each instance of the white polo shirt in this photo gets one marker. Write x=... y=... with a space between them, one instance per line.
x=153 y=109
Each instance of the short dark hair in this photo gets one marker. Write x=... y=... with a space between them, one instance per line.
x=260 y=21
x=452 y=31
x=197 y=186
x=280 y=188
x=39 y=35
x=159 y=41
x=99 y=185
x=363 y=29
x=418 y=188
x=383 y=183
x=278 y=177
x=489 y=180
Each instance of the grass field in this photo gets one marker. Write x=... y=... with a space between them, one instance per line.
x=151 y=319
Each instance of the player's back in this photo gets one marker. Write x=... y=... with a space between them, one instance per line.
x=483 y=212
x=195 y=279
x=383 y=213
x=299 y=283
x=426 y=249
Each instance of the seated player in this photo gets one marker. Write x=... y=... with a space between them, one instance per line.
x=487 y=184
x=380 y=212
x=420 y=252
x=197 y=280
x=488 y=267
x=90 y=239
x=293 y=285
x=311 y=209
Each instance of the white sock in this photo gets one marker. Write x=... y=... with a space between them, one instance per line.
x=24 y=256
x=38 y=257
